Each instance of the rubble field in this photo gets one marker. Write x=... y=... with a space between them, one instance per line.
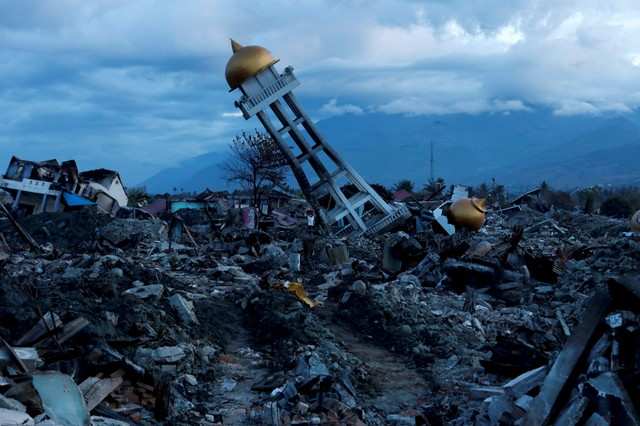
x=534 y=319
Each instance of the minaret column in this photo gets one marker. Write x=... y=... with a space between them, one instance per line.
x=298 y=173
x=252 y=70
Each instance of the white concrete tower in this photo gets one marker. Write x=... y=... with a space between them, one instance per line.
x=322 y=174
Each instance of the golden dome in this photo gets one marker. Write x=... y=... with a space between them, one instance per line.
x=246 y=62
x=468 y=213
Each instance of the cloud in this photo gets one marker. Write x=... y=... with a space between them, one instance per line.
x=509 y=105
x=139 y=85
x=418 y=106
x=571 y=107
x=232 y=114
x=332 y=108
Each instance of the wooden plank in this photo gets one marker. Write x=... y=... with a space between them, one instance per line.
x=100 y=390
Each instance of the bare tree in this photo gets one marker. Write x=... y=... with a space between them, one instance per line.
x=256 y=164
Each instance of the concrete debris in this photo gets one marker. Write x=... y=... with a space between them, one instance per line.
x=522 y=384
x=15 y=418
x=61 y=398
x=29 y=357
x=11 y=404
x=184 y=308
x=153 y=291
x=168 y=354
x=338 y=253
x=48 y=323
x=533 y=319
x=95 y=392
x=104 y=421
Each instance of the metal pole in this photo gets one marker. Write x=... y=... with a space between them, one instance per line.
x=432 y=173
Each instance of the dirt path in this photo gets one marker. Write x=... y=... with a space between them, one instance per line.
x=397 y=384
x=241 y=368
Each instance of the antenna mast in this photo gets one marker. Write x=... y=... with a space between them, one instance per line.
x=431 y=162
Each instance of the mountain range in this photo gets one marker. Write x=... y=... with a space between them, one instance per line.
x=518 y=149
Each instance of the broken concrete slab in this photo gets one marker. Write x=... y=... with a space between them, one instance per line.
x=87 y=384
x=338 y=254
x=61 y=399
x=501 y=409
x=442 y=220
x=398 y=420
x=609 y=384
x=11 y=404
x=151 y=291
x=563 y=370
x=484 y=392
x=574 y=413
x=49 y=322
x=15 y=418
x=99 y=390
x=29 y=357
x=104 y=421
x=524 y=402
x=71 y=329
x=359 y=287
x=391 y=262
x=522 y=384
x=184 y=309
x=168 y=354
x=596 y=420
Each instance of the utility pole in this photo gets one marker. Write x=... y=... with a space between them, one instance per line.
x=431 y=162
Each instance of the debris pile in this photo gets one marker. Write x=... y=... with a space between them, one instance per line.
x=532 y=319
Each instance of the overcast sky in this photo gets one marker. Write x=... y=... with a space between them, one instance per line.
x=138 y=85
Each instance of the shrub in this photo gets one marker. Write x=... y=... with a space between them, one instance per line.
x=616 y=207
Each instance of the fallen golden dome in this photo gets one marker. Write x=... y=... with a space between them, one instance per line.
x=468 y=213
x=635 y=222
x=246 y=62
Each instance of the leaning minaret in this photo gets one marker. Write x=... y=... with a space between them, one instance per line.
x=330 y=184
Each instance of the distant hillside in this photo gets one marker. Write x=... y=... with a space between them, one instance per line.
x=604 y=155
x=518 y=149
x=195 y=174
x=616 y=166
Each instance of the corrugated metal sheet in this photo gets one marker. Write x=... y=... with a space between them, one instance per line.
x=73 y=200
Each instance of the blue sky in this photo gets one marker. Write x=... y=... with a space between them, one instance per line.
x=138 y=85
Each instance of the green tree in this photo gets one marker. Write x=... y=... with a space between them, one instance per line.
x=138 y=196
x=382 y=191
x=434 y=185
x=616 y=207
x=403 y=185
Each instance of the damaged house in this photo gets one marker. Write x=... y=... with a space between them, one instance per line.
x=105 y=188
x=220 y=201
x=39 y=187
x=50 y=186
x=208 y=199
x=270 y=200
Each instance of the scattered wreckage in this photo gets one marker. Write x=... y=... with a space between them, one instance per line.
x=49 y=186
x=434 y=311
x=532 y=319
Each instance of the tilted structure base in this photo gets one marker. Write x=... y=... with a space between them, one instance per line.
x=328 y=176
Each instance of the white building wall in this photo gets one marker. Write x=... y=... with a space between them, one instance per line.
x=117 y=191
